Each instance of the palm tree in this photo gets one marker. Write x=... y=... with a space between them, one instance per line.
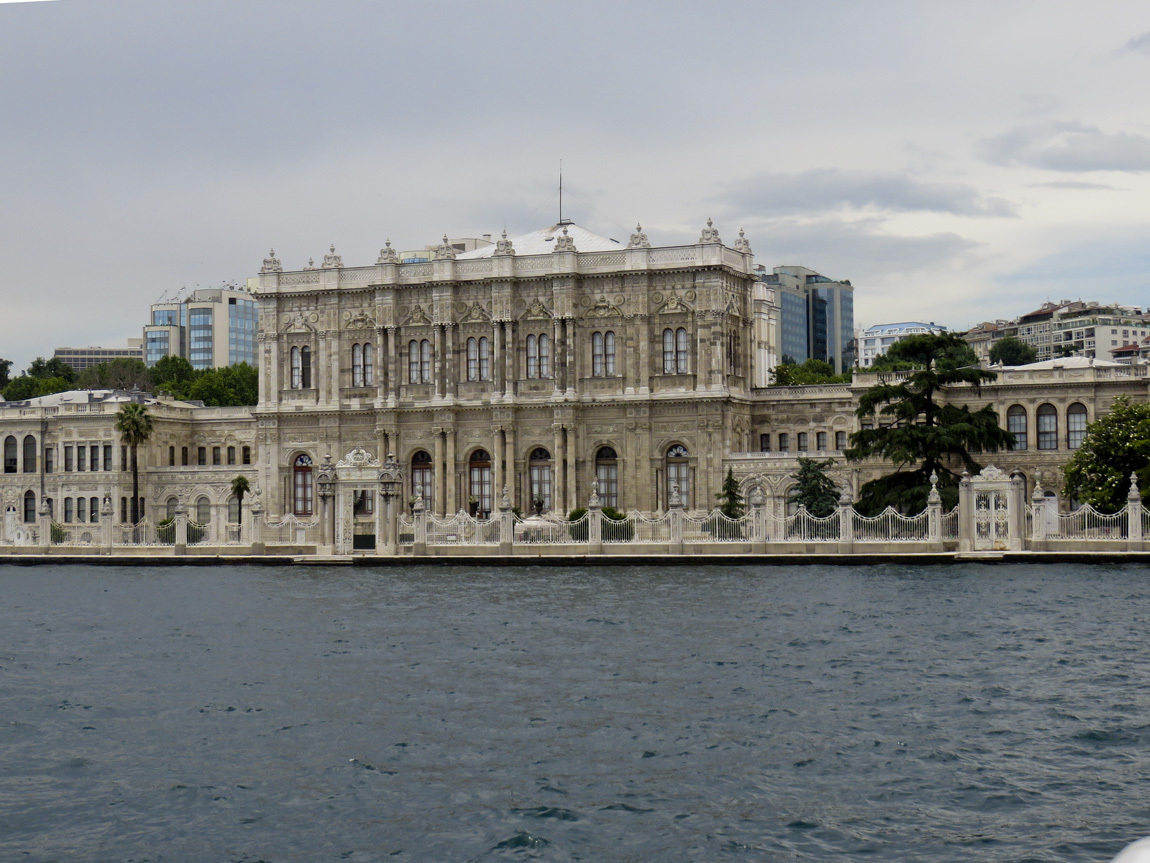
x=134 y=424
x=240 y=487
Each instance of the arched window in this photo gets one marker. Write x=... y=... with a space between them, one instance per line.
x=1075 y=425
x=231 y=455
x=422 y=475
x=479 y=468
x=94 y=509
x=10 y=454
x=170 y=508
x=368 y=364
x=539 y=469
x=484 y=359
x=473 y=359
x=603 y=354
x=803 y=437
x=203 y=510
x=1047 y=427
x=184 y=455
x=419 y=361
x=532 y=356
x=678 y=473
x=29 y=507
x=171 y=456
x=302 y=490
x=357 y=365
x=821 y=441
x=305 y=367
x=413 y=362
x=30 y=454
x=425 y=361
x=233 y=510
x=81 y=509
x=296 y=369
x=544 y=356
x=1016 y=425
x=69 y=510
x=675 y=351
x=784 y=442
x=607 y=473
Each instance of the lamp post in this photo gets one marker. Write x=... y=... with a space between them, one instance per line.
x=390 y=488
x=324 y=480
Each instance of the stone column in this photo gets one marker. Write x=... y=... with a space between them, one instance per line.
x=511 y=480
x=441 y=472
x=106 y=524
x=497 y=480
x=325 y=480
x=437 y=363
x=256 y=523
x=572 y=485
x=570 y=374
x=451 y=367
x=419 y=516
x=394 y=365
x=675 y=513
x=506 y=524
x=387 y=514
x=559 y=492
x=452 y=505
x=934 y=515
x=1134 y=516
x=965 y=514
x=758 y=521
x=846 y=522
x=594 y=521
x=1038 y=525
x=1017 y=511
x=44 y=528
x=497 y=370
x=180 y=546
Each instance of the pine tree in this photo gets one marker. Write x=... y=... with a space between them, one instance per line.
x=732 y=500
x=813 y=488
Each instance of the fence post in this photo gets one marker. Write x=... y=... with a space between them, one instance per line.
x=419 y=515
x=675 y=513
x=180 y=542
x=1134 y=516
x=44 y=525
x=506 y=524
x=758 y=520
x=965 y=514
x=594 y=521
x=256 y=523
x=934 y=514
x=1038 y=522
x=1017 y=511
x=106 y=524
x=846 y=522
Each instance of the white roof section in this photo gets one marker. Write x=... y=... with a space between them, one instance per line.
x=1071 y=363
x=89 y=397
x=542 y=242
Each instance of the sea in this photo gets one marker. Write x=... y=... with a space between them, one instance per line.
x=967 y=712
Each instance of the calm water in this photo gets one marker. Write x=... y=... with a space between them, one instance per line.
x=970 y=713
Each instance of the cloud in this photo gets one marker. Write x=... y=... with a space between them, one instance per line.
x=822 y=190
x=1069 y=147
x=1141 y=44
x=1075 y=184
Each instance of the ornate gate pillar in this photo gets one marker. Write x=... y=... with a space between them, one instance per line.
x=387 y=515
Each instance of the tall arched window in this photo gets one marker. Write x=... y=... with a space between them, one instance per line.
x=296 y=369
x=203 y=510
x=302 y=494
x=30 y=454
x=484 y=359
x=1016 y=425
x=607 y=473
x=539 y=469
x=170 y=508
x=425 y=361
x=532 y=356
x=419 y=361
x=368 y=364
x=675 y=351
x=233 y=510
x=10 y=454
x=29 y=507
x=679 y=473
x=603 y=354
x=1075 y=425
x=544 y=356
x=413 y=362
x=305 y=367
x=422 y=475
x=1047 y=427
x=357 y=365
x=478 y=359
x=479 y=469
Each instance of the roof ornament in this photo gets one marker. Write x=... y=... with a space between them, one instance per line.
x=445 y=251
x=503 y=246
x=709 y=235
x=387 y=255
x=639 y=239
x=564 y=242
x=743 y=244
x=331 y=260
x=310 y=264
x=271 y=263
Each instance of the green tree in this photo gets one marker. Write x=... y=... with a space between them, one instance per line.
x=913 y=431
x=5 y=372
x=240 y=487
x=28 y=387
x=1115 y=446
x=731 y=499
x=134 y=424
x=173 y=375
x=809 y=373
x=813 y=488
x=121 y=373
x=1013 y=352
x=53 y=368
x=227 y=386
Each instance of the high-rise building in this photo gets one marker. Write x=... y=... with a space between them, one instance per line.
x=815 y=316
x=211 y=327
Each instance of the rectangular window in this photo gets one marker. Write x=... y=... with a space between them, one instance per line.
x=81 y=507
x=1048 y=431
x=107 y=456
x=171 y=456
x=94 y=456
x=246 y=455
x=1016 y=425
x=231 y=455
x=1075 y=429
x=784 y=442
x=764 y=443
x=216 y=456
x=821 y=441
x=202 y=456
x=81 y=457
x=50 y=460
x=184 y=456
x=363 y=502
x=803 y=442
x=68 y=510
x=840 y=440
x=124 y=465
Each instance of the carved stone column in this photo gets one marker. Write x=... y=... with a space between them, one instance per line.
x=570 y=453
x=180 y=545
x=325 y=479
x=452 y=505
x=511 y=480
x=256 y=522
x=441 y=472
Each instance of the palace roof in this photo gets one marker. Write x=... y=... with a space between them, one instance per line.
x=542 y=242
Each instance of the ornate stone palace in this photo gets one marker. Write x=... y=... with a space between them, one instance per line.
x=541 y=365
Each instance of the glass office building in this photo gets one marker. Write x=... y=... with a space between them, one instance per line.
x=210 y=328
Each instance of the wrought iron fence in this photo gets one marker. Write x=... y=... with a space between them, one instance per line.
x=716 y=527
x=1088 y=523
x=891 y=526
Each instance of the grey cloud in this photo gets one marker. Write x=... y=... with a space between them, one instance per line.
x=1140 y=44
x=1069 y=147
x=1075 y=184
x=822 y=190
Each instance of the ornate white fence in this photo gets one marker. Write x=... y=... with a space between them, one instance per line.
x=716 y=527
x=290 y=531
x=1087 y=523
x=891 y=526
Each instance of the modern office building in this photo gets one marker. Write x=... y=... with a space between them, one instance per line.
x=875 y=340
x=83 y=358
x=815 y=316
x=211 y=327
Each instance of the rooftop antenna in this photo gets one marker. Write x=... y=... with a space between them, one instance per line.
x=561 y=219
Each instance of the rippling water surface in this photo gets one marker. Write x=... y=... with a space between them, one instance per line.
x=971 y=713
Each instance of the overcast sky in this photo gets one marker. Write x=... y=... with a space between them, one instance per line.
x=956 y=161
